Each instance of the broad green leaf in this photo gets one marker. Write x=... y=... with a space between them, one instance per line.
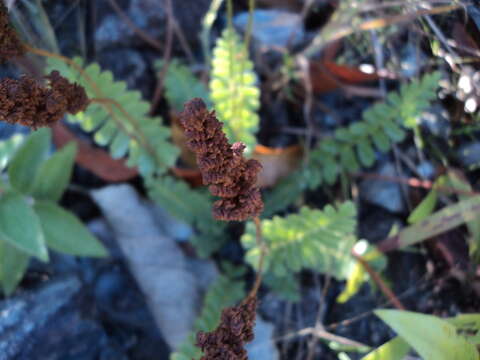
x=440 y=222
x=54 y=174
x=21 y=225
x=13 y=264
x=28 y=159
x=395 y=349
x=65 y=233
x=424 y=209
x=8 y=148
x=468 y=326
x=431 y=337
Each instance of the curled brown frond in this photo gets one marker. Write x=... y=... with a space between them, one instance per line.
x=223 y=167
x=10 y=44
x=228 y=340
x=27 y=102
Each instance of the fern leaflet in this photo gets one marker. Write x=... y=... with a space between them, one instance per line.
x=314 y=239
x=233 y=90
x=118 y=118
x=354 y=146
x=226 y=291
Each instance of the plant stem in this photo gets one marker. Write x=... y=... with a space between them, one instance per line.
x=263 y=251
x=380 y=283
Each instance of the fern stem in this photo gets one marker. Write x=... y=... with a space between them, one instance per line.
x=263 y=251
x=106 y=102
x=248 y=32
x=230 y=14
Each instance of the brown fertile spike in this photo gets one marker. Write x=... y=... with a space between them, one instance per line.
x=222 y=165
x=228 y=340
x=28 y=103
x=10 y=45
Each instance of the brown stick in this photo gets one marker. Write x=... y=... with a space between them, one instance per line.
x=141 y=34
x=379 y=281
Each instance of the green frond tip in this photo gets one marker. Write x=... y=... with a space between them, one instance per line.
x=121 y=121
x=226 y=291
x=234 y=93
x=320 y=240
x=382 y=125
x=181 y=85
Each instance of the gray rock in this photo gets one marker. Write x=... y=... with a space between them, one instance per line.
x=262 y=347
x=171 y=226
x=127 y=65
x=469 y=155
x=150 y=16
x=273 y=27
x=386 y=194
x=155 y=260
x=437 y=121
x=48 y=323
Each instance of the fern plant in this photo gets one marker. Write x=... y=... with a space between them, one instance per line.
x=354 y=146
x=233 y=90
x=118 y=118
x=313 y=239
x=226 y=291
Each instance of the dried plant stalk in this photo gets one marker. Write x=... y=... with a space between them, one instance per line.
x=228 y=340
x=10 y=44
x=223 y=167
x=27 y=102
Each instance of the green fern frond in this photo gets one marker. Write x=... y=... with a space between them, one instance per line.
x=234 y=93
x=354 y=146
x=226 y=291
x=181 y=85
x=313 y=239
x=285 y=192
x=191 y=206
x=120 y=121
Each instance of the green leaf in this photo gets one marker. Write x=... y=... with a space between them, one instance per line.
x=28 y=159
x=65 y=233
x=314 y=239
x=8 y=148
x=424 y=209
x=121 y=121
x=440 y=222
x=13 y=264
x=54 y=174
x=468 y=326
x=431 y=337
x=395 y=349
x=233 y=89
x=21 y=225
